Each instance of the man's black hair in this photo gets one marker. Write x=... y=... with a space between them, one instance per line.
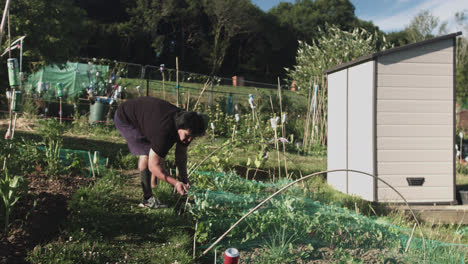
x=191 y=120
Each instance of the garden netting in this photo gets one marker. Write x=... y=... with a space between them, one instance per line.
x=72 y=75
x=81 y=159
x=299 y=226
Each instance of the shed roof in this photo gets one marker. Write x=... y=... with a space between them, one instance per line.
x=385 y=52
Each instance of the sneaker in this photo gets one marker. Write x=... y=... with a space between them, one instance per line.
x=152 y=203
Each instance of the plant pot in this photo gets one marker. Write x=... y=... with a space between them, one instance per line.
x=463 y=196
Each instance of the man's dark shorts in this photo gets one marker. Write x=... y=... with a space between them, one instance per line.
x=137 y=143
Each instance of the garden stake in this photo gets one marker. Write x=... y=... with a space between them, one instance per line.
x=201 y=93
x=2 y=25
x=411 y=237
x=195 y=240
x=271 y=104
x=12 y=132
x=306 y=127
x=274 y=125
x=306 y=177
x=324 y=126
x=96 y=161
x=283 y=120
x=177 y=79
x=461 y=146
x=164 y=89
x=91 y=162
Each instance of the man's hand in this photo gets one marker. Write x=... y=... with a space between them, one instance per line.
x=181 y=188
x=186 y=181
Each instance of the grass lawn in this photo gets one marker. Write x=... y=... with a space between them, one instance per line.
x=106 y=226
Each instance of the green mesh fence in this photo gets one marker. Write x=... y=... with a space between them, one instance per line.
x=297 y=227
x=71 y=75
x=82 y=159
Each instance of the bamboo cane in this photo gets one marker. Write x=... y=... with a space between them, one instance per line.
x=306 y=127
x=282 y=128
x=91 y=162
x=201 y=93
x=195 y=240
x=411 y=237
x=2 y=25
x=177 y=79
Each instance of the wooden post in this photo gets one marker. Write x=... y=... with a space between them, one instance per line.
x=147 y=87
x=177 y=79
x=164 y=89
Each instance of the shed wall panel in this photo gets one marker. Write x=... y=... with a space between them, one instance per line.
x=414 y=143
x=337 y=134
x=434 y=53
x=361 y=129
x=415 y=155
x=434 y=180
x=415 y=81
x=417 y=194
x=414 y=168
x=413 y=106
x=413 y=131
x=407 y=93
x=416 y=68
x=415 y=114
x=385 y=118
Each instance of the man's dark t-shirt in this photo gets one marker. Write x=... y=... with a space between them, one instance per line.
x=154 y=119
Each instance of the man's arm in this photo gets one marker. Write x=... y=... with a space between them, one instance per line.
x=181 y=162
x=157 y=170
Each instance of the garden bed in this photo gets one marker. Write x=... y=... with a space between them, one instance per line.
x=37 y=217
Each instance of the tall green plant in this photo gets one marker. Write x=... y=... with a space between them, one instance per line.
x=334 y=46
x=10 y=190
x=51 y=131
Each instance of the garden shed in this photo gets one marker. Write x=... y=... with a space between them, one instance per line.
x=392 y=114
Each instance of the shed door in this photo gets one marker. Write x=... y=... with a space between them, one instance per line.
x=361 y=130
x=336 y=147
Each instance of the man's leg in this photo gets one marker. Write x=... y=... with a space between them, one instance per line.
x=145 y=176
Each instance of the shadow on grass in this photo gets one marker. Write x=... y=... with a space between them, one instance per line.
x=106 y=148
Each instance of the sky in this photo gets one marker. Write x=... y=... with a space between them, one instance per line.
x=394 y=15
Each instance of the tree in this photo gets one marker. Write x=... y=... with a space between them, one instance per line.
x=423 y=26
x=55 y=29
x=229 y=19
x=398 y=38
x=462 y=58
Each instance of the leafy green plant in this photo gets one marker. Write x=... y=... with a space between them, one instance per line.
x=10 y=190
x=51 y=131
x=75 y=163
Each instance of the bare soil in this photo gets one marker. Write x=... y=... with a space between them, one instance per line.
x=38 y=215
